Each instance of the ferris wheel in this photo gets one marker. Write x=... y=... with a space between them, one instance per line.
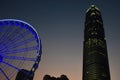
x=20 y=50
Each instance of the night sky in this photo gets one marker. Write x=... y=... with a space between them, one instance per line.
x=60 y=25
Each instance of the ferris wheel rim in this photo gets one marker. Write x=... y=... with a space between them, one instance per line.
x=39 y=40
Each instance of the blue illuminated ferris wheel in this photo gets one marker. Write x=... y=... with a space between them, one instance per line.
x=20 y=50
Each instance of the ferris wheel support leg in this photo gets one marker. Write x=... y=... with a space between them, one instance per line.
x=25 y=75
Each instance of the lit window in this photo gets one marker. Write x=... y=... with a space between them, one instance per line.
x=101 y=53
x=95 y=29
x=99 y=21
x=94 y=33
x=92 y=14
x=97 y=13
x=101 y=43
x=104 y=75
x=87 y=72
x=88 y=43
x=89 y=39
x=92 y=52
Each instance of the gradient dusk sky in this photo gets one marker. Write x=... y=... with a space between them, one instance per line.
x=60 y=24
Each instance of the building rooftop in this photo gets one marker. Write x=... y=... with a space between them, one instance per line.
x=92 y=7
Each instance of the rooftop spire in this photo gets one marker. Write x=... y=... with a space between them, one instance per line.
x=92 y=7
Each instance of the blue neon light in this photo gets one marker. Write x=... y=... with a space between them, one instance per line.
x=19 y=58
x=1 y=23
x=11 y=23
x=22 y=24
x=1 y=58
x=21 y=50
x=5 y=23
x=26 y=26
x=17 y=23
x=18 y=39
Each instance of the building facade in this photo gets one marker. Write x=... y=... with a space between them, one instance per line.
x=95 y=57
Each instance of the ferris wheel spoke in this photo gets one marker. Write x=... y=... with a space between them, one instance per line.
x=22 y=42
x=16 y=38
x=19 y=58
x=21 y=50
x=5 y=34
x=4 y=74
x=18 y=44
x=11 y=35
x=12 y=66
x=1 y=36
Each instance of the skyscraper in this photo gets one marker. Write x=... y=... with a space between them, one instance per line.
x=95 y=58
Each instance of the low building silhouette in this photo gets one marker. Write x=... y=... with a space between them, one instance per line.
x=48 y=77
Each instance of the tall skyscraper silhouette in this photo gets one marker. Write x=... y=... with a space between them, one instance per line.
x=95 y=58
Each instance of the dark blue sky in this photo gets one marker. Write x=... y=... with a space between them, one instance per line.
x=60 y=24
